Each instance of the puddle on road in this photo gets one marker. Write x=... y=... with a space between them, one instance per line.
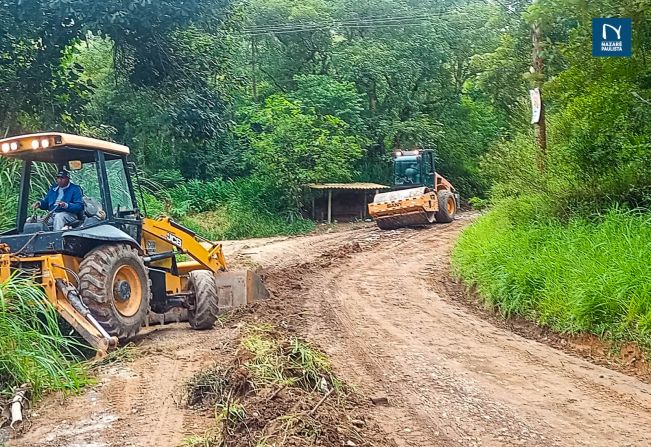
x=82 y=433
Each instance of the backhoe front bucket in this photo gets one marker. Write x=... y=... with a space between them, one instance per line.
x=237 y=288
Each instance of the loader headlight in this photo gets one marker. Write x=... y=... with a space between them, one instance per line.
x=6 y=147
x=14 y=146
x=45 y=143
x=34 y=144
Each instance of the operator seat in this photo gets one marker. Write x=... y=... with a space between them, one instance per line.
x=93 y=213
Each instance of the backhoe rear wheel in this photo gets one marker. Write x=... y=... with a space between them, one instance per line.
x=115 y=286
x=447 y=207
x=204 y=300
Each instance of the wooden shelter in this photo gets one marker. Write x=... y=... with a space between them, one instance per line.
x=346 y=201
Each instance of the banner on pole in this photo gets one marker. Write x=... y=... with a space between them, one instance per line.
x=535 y=105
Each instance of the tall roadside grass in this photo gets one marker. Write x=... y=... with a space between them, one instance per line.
x=232 y=223
x=32 y=348
x=9 y=176
x=584 y=275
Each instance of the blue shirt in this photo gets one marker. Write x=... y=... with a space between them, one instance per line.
x=72 y=195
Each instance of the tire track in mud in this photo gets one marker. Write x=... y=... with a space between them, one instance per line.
x=136 y=403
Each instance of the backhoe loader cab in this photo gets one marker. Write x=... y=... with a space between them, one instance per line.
x=98 y=167
x=420 y=196
x=108 y=270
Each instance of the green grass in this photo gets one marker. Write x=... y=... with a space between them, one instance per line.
x=229 y=223
x=287 y=361
x=211 y=438
x=220 y=209
x=584 y=275
x=9 y=175
x=32 y=348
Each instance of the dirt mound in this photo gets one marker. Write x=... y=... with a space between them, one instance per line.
x=276 y=389
x=286 y=281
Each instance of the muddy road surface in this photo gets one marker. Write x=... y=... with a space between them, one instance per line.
x=381 y=304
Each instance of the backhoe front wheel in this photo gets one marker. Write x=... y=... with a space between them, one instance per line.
x=115 y=286
x=203 y=300
x=447 y=206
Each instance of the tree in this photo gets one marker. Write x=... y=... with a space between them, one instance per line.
x=291 y=146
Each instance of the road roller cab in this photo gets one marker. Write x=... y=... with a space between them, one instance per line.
x=110 y=267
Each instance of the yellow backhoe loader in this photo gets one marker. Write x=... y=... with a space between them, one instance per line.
x=420 y=196
x=109 y=270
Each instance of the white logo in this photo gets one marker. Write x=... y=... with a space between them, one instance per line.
x=174 y=239
x=617 y=30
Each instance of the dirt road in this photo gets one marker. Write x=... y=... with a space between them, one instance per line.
x=380 y=304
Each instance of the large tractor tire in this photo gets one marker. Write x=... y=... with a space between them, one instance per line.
x=115 y=286
x=447 y=206
x=204 y=300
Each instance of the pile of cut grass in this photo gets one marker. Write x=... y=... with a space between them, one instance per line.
x=584 y=275
x=287 y=361
x=278 y=390
x=33 y=349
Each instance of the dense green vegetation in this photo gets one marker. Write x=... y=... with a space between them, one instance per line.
x=32 y=348
x=568 y=246
x=580 y=276
x=224 y=209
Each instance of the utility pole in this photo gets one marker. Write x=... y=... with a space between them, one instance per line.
x=254 y=79
x=538 y=76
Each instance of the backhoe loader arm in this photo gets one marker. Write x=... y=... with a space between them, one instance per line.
x=209 y=255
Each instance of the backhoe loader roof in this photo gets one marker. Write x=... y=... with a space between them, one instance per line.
x=56 y=147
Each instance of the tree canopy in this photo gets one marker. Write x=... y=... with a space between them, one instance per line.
x=325 y=90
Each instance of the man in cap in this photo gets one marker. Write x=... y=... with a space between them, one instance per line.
x=65 y=199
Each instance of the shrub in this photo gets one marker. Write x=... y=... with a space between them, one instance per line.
x=226 y=209
x=583 y=275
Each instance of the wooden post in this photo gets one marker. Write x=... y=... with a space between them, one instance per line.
x=365 y=205
x=538 y=79
x=330 y=206
x=313 y=207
